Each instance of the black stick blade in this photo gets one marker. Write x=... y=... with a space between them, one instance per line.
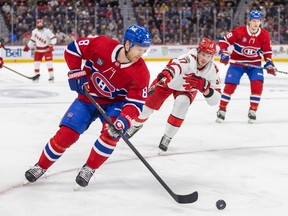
x=35 y=77
x=186 y=199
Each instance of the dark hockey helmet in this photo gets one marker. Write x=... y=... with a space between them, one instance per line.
x=137 y=35
x=254 y=14
x=207 y=46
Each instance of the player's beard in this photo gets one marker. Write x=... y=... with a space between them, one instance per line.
x=40 y=27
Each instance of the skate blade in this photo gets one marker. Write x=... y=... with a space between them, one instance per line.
x=161 y=152
x=78 y=188
x=26 y=182
x=251 y=121
x=219 y=120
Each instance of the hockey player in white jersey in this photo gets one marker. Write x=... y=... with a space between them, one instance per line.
x=42 y=40
x=183 y=77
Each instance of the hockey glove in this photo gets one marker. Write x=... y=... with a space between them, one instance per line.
x=224 y=56
x=51 y=48
x=162 y=79
x=165 y=76
x=1 y=62
x=26 y=49
x=270 y=67
x=76 y=80
x=193 y=81
x=121 y=125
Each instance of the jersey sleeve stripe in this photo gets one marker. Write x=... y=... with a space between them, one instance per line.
x=73 y=49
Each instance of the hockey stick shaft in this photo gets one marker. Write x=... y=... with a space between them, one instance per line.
x=28 y=77
x=189 y=198
x=151 y=89
x=257 y=66
x=4 y=47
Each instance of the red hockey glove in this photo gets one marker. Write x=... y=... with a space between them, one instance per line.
x=51 y=48
x=270 y=67
x=193 y=81
x=224 y=56
x=165 y=76
x=26 y=49
x=1 y=62
x=121 y=125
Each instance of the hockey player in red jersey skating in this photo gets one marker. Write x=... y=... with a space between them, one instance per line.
x=118 y=78
x=250 y=42
x=183 y=77
x=42 y=40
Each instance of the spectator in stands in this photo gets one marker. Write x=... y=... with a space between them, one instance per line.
x=92 y=34
x=156 y=39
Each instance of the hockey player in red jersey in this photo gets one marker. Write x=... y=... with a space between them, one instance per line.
x=42 y=40
x=118 y=78
x=183 y=77
x=250 y=42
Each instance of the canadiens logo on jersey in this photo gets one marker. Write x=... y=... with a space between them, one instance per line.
x=250 y=51
x=104 y=87
x=247 y=51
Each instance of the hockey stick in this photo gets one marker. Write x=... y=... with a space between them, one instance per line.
x=189 y=198
x=151 y=89
x=4 y=47
x=28 y=77
x=256 y=66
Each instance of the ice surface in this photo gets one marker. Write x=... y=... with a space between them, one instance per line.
x=244 y=164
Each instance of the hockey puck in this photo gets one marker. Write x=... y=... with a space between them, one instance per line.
x=220 y=204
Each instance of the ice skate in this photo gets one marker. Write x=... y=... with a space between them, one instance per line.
x=51 y=79
x=251 y=116
x=84 y=176
x=34 y=173
x=220 y=115
x=164 y=143
x=132 y=130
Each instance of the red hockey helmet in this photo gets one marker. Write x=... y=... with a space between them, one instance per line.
x=207 y=46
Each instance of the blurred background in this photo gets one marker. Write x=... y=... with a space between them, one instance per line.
x=170 y=22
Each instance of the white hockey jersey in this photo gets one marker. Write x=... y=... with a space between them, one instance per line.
x=187 y=64
x=42 y=39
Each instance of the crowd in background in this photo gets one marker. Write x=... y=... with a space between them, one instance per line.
x=68 y=19
x=169 y=21
x=187 y=19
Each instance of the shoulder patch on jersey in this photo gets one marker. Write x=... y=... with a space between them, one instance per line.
x=100 y=61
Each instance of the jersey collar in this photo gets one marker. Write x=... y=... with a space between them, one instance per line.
x=251 y=34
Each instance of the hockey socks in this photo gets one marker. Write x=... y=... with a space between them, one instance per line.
x=101 y=151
